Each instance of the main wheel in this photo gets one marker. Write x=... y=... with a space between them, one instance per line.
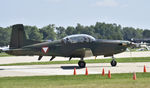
x=113 y=63
x=81 y=64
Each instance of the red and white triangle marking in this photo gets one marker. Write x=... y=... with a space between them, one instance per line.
x=45 y=49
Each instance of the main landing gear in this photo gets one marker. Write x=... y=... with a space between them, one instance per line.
x=82 y=63
x=113 y=62
x=40 y=57
x=52 y=58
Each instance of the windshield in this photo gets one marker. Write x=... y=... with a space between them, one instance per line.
x=78 y=38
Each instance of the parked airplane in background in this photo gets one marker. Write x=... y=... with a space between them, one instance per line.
x=79 y=45
x=4 y=48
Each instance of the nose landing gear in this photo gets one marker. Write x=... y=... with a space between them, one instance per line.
x=82 y=63
x=113 y=62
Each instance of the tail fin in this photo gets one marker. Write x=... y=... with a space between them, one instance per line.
x=18 y=37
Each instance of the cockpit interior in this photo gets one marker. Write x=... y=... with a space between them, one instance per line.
x=78 y=38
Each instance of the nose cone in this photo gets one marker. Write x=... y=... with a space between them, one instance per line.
x=125 y=43
x=122 y=46
x=115 y=42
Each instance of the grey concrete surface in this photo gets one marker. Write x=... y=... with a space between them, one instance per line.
x=67 y=69
x=21 y=59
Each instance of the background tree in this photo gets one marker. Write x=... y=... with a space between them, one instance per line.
x=70 y=30
x=60 y=31
x=33 y=33
x=99 y=30
x=129 y=32
x=146 y=33
x=108 y=31
x=48 y=32
x=5 y=36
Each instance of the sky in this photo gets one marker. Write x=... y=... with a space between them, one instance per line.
x=127 y=13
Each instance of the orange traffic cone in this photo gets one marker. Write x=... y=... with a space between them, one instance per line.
x=109 y=74
x=74 y=71
x=103 y=72
x=86 y=71
x=134 y=76
x=144 y=68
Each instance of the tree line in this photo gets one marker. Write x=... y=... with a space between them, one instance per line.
x=99 y=30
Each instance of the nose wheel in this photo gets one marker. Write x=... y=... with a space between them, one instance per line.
x=113 y=63
x=81 y=64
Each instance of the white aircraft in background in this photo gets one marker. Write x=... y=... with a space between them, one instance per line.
x=4 y=48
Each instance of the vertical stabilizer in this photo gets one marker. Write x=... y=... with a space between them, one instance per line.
x=18 y=36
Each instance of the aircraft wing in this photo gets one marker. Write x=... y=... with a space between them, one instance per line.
x=83 y=52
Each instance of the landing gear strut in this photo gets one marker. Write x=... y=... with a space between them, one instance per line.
x=70 y=58
x=40 y=57
x=113 y=62
x=52 y=58
x=82 y=63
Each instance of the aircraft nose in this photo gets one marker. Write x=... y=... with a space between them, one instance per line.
x=132 y=45
x=126 y=43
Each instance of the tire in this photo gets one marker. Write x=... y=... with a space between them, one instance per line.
x=81 y=64
x=113 y=63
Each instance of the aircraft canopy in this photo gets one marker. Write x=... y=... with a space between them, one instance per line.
x=78 y=38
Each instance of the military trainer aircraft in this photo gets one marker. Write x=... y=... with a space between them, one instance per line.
x=78 y=45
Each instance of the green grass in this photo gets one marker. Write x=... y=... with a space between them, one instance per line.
x=120 y=60
x=79 y=81
x=4 y=55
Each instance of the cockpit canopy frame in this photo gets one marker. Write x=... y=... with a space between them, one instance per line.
x=78 y=38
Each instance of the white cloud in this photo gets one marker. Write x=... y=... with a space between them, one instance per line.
x=107 y=3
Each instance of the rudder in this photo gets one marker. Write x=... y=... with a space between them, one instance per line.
x=18 y=36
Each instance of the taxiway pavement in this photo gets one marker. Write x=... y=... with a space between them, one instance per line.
x=22 y=59
x=67 y=69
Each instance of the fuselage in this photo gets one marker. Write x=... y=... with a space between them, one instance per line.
x=78 y=45
x=60 y=48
